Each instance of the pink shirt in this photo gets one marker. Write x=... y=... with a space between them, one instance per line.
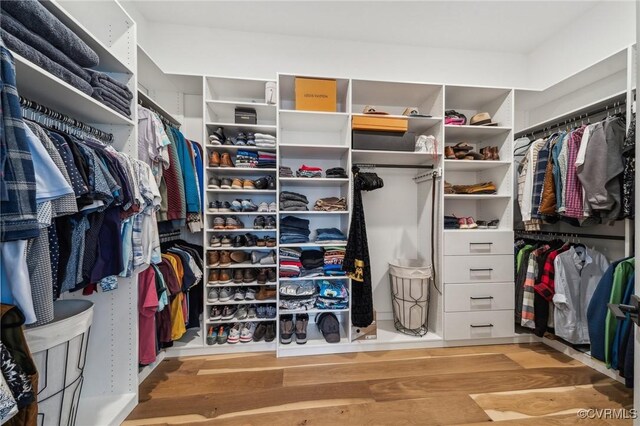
x=573 y=190
x=147 y=307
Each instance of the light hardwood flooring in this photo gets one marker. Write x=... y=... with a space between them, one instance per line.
x=527 y=384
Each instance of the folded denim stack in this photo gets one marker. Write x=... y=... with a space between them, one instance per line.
x=265 y=141
x=266 y=160
x=332 y=295
x=294 y=230
x=298 y=295
x=246 y=158
x=290 y=264
x=331 y=204
x=336 y=172
x=112 y=93
x=309 y=172
x=451 y=222
x=30 y=30
x=333 y=258
x=285 y=171
x=330 y=235
x=292 y=201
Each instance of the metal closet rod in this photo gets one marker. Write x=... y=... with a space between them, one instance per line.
x=164 y=119
x=586 y=114
x=395 y=166
x=571 y=234
x=64 y=119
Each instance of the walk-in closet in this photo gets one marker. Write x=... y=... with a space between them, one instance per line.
x=318 y=212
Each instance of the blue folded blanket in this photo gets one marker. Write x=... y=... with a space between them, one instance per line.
x=43 y=61
x=38 y=19
x=22 y=33
x=104 y=81
x=103 y=94
x=114 y=106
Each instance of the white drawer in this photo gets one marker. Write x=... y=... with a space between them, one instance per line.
x=478 y=325
x=461 y=243
x=475 y=269
x=478 y=297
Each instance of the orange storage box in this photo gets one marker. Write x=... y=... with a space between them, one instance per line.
x=315 y=94
x=380 y=123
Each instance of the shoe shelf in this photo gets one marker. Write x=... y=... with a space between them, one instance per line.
x=311 y=311
x=314 y=339
x=240 y=248
x=314 y=278
x=241 y=214
x=243 y=284
x=244 y=230
x=243 y=265
x=319 y=244
x=263 y=346
x=475 y=196
x=240 y=170
x=313 y=212
x=235 y=320
x=242 y=302
x=474 y=165
x=231 y=148
x=300 y=181
x=245 y=191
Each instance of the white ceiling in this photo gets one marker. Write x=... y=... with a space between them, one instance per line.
x=502 y=26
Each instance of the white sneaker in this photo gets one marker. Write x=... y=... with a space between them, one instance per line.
x=234 y=333
x=212 y=295
x=272 y=207
x=225 y=294
x=239 y=295
x=242 y=313
x=252 y=313
x=263 y=207
x=246 y=334
x=250 y=294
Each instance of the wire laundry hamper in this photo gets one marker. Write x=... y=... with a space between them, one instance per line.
x=410 y=282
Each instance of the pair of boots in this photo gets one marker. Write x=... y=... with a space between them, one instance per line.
x=287 y=328
x=217 y=160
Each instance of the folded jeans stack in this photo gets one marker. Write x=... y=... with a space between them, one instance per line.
x=451 y=222
x=336 y=172
x=294 y=230
x=292 y=201
x=266 y=160
x=112 y=93
x=330 y=235
x=290 y=264
x=265 y=141
x=285 y=171
x=331 y=204
x=333 y=258
x=246 y=158
x=309 y=172
x=298 y=295
x=332 y=295
x=30 y=30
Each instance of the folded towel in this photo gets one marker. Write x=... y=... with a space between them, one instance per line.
x=38 y=19
x=102 y=94
x=43 y=61
x=104 y=81
x=114 y=107
x=42 y=45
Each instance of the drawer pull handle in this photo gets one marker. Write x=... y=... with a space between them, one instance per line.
x=480 y=325
x=481 y=298
x=480 y=269
x=480 y=244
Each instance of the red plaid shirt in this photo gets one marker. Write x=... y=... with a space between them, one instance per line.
x=546 y=286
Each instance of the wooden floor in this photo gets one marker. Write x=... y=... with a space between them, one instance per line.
x=529 y=384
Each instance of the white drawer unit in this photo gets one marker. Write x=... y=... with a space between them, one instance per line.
x=464 y=243
x=478 y=297
x=478 y=325
x=476 y=269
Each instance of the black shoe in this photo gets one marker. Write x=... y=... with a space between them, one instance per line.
x=220 y=134
x=225 y=207
x=261 y=331
x=270 y=222
x=302 y=320
x=286 y=329
x=271 y=182
x=239 y=241
x=261 y=183
x=259 y=222
x=251 y=240
x=270 y=335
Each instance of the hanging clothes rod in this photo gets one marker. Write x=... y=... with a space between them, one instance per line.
x=64 y=119
x=395 y=166
x=610 y=106
x=169 y=121
x=570 y=235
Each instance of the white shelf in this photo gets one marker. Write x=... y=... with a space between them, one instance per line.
x=245 y=191
x=405 y=158
x=232 y=284
x=315 y=339
x=313 y=121
x=231 y=148
x=473 y=165
x=240 y=170
x=40 y=86
x=225 y=110
x=312 y=151
x=417 y=125
x=254 y=128
x=473 y=132
x=301 y=181
x=475 y=196
x=243 y=230
x=240 y=213
x=301 y=245
x=234 y=320
x=260 y=346
x=243 y=265
x=472 y=98
x=311 y=311
x=313 y=212
x=231 y=89
x=453 y=231
x=344 y=277
x=241 y=302
x=147 y=101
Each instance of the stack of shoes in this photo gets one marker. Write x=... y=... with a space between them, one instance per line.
x=285 y=171
x=298 y=295
x=220 y=277
x=290 y=264
x=246 y=240
x=266 y=160
x=490 y=153
x=336 y=173
x=264 y=222
x=292 y=201
x=265 y=141
x=331 y=204
x=479 y=188
x=451 y=222
x=266 y=331
x=218 y=137
x=330 y=235
x=294 y=230
x=290 y=327
x=228 y=222
x=220 y=160
x=309 y=172
x=246 y=159
x=463 y=151
x=333 y=258
x=332 y=295
x=265 y=182
x=312 y=263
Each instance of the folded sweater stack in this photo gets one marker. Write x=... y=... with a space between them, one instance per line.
x=265 y=141
x=333 y=258
x=266 y=160
x=285 y=171
x=331 y=204
x=292 y=201
x=309 y=172
x=290 y=264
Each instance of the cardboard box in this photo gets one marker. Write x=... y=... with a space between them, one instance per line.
x=314 y=94
x=383 y=141
x=382 y=123
x=246 y=116
x=365 y=333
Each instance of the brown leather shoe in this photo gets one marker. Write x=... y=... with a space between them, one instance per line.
x=250 y=275
x=214 y=276
x=472 y=155
x=449 y=153
x=260 y=242
x=271 y=275
x=225 y=258
x=225 y=160
x=238 y=256
x=214 y=159
x=213 y=258
x=248 y=184
x=495 y=153
x=265 y=293
x=486 y=153
x=236 y=184
x=262 y=276
x=238 y=276
x=270 y=241
x=480 y=188
x=225 y=276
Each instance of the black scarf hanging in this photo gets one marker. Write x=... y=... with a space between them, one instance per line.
x=356 y=261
